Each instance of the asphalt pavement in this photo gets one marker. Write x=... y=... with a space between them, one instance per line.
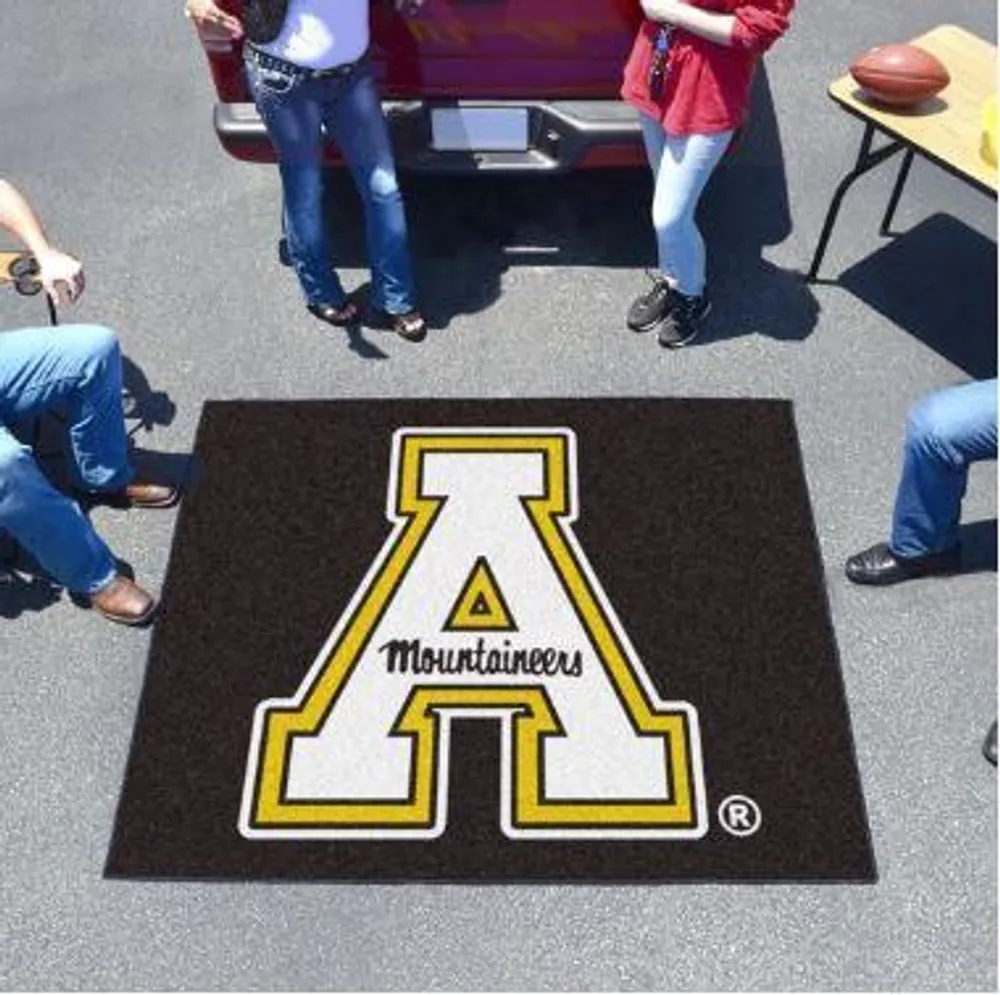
x=106 y=124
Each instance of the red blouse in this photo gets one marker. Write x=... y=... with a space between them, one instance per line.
x=707 y=86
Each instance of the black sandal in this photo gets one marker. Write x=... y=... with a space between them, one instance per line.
x=342 y=317
x=411 y=325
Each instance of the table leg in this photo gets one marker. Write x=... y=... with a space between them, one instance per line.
x=867 y=160
x=897 y=190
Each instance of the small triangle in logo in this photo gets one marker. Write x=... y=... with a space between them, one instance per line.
x=480 y=604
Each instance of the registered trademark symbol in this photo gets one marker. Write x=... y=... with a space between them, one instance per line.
x=740 y=815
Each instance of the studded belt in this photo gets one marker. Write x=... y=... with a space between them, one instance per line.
x=266 y=61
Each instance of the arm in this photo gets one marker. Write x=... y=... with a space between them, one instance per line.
x=754 y=27
x=713 y=27
x=212 y=21
x=56 y=269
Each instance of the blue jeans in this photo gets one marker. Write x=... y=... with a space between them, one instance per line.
x=75 y=369
x=946 y=431
x=298 y=115
x=681 y=166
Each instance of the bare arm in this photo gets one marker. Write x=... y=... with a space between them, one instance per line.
x=212 y=22
x=57 y=271
x=18 y=218
x=713 y=27
x=754 y=25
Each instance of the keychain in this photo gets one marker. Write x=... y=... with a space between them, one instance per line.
x=659 y=71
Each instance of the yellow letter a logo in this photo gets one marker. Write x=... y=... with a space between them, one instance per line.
x=589 y=749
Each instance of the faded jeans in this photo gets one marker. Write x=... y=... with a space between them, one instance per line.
x=681 y=165
x=75 y=369
x=946 y=431
x=298 y=115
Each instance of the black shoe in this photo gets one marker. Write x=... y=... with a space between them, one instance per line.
x=684 y=321
x=880 y=565
x=650 y=308
x=990 y=745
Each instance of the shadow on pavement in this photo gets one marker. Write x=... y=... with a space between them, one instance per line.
x=466 y=232
x=979 y=546
x=937 y=281
x=22 y=592
x=356 y=340
x=144 y=405
x=744 y=209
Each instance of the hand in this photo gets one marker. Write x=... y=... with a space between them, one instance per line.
x=60 y=275
x=212 y=21
x=663 y=11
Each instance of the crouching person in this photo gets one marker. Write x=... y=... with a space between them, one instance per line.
x=75 y=370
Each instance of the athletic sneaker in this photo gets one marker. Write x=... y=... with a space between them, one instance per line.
x=650 y=308
x=684 y=321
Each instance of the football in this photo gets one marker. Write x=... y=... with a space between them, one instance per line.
x=900 y=75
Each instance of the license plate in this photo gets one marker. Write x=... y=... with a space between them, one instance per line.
x=479 y=129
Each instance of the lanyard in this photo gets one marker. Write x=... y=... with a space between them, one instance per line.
x=658 y=70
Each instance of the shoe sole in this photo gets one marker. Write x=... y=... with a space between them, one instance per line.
x=118 y=501
x=905 y=579
x=641 y=329
x=133 y=621
x=166 y=503
x=680 y=343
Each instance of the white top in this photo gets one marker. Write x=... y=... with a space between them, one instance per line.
x=320 y=34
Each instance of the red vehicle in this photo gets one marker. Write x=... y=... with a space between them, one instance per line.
x=508 y=85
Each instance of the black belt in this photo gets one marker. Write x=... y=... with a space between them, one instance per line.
x=265 y=60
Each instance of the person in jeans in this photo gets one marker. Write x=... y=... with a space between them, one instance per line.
x=689 y=76
x=75 y=369
x=946 y=432
x=311 y=77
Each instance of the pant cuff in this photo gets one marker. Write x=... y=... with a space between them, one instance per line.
x=104 y=582
x=109 y=484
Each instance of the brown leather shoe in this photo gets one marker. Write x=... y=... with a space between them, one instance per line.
x=125 y=602
x=143 y=494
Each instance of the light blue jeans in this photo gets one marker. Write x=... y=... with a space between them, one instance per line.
x=681 y=166
x=945 y=432
x=298 y=115
x=75 y=370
